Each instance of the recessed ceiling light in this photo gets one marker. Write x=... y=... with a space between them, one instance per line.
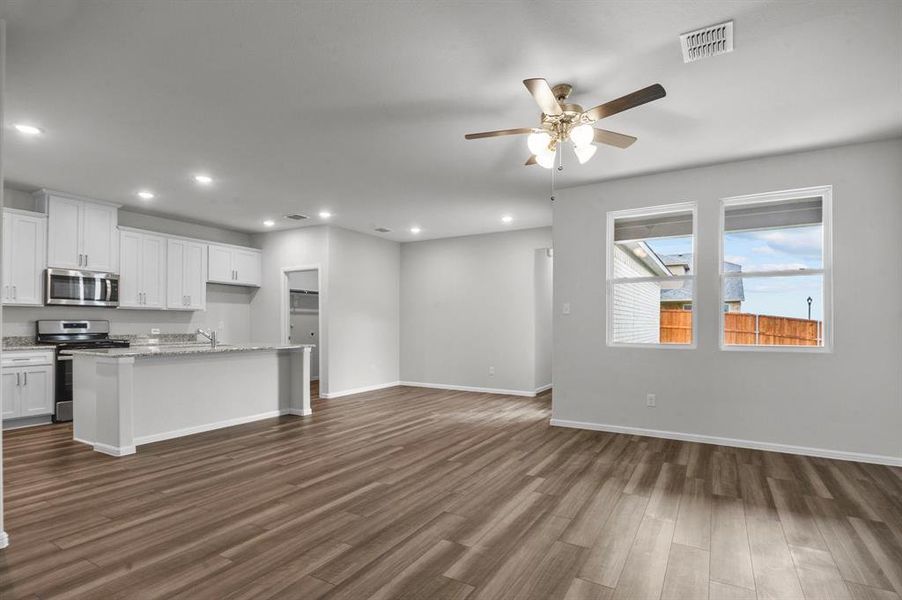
x=415 y=230
x=28 y=129
x=269 y=222
x=506 y=219
x=145 y=195
x=203 y=179
x=324 y=214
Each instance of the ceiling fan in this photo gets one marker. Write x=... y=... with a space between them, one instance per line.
x=561 y=121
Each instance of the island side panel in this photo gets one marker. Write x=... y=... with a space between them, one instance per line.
x=84 y=396
x=182 y=395
x=115 y=398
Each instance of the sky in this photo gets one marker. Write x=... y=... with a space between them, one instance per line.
x=793 y=248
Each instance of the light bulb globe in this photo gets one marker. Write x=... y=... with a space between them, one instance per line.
x=584 y=153
x=546 y=159
x=582 y=135
x=538 y=142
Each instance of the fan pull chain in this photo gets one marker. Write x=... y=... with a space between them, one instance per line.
x=552 y=184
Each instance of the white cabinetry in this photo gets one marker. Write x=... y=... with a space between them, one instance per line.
x=27 y=381
x=81 y=233
x=142 y=277
x=234 y=265
x=186 y=275
x=24 y=257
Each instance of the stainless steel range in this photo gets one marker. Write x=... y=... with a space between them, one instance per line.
x=72 y=335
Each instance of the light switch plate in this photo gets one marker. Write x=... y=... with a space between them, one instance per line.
x=565 y=308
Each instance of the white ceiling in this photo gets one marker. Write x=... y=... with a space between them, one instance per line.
x=361 y=108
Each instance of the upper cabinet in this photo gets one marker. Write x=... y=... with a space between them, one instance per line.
x=186 y=275
x=24 y=257
x=233 y=265
x=81 y=233
x=142 y=280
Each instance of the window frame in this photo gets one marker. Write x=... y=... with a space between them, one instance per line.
x=610 y=282
x=825 y=193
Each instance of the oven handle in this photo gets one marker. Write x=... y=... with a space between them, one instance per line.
x=64 y=358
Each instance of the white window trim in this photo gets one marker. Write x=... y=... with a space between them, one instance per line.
x=825 y=192
x=650 y=211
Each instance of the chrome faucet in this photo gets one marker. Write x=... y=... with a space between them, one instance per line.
x=209 y=334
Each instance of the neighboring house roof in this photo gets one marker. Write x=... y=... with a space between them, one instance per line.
x=733 y=292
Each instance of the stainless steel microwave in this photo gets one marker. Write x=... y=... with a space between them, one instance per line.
x=81 y=288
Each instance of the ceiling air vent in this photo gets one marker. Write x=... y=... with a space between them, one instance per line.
x=383 y=230
x=296 y=217
x=707 y=42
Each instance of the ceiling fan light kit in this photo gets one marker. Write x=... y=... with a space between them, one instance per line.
x=565 y=122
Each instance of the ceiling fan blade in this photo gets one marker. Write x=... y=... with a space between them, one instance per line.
x=530 y=161
x=637 y=98
x=500 y=132
x=603 y=136
x=543 y=95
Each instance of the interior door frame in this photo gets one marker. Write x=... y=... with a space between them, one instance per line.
x=285 y=317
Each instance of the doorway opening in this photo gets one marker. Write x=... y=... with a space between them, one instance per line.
x=302 y=310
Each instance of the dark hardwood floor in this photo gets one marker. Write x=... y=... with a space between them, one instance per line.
x=414 y=493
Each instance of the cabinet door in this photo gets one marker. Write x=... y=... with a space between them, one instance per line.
x=7 y=292
x=63 y=232
x=130 y=271
x=35 y=392
x=98 y=229
x=175 y=266
x=220 y=269
x=26 y=268
x=194 y=276
x=10 y=408
x=153 y=271
x=247 y=267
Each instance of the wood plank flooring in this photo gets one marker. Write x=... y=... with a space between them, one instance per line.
x=424 y=494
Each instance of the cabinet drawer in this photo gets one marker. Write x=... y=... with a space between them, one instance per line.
x=13 y=359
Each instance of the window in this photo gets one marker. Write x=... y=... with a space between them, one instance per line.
x=776 y=270
x=650 y=275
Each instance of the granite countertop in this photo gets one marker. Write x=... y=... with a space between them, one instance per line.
x=22 y=347
x=183 y=349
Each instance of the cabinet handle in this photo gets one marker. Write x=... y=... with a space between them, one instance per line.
x=86 y=260
x=14 y=292
x=25 y=376
x=17 y=379
x=189 y=300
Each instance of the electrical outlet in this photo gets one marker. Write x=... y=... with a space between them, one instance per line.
x=651 y=401
x=565 y=308
x=491 y=371
x=154 y=331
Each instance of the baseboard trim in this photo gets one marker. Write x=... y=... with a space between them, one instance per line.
x=360 y=390
x=544 y=388
x=168 y=435
x=736 y=443
x=116 y=451
x=4 y=540
x=299 y=413
x=470 y=388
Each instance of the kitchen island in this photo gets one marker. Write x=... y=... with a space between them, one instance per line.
x=126 y=397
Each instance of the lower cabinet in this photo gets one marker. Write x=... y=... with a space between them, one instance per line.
x=27 y=391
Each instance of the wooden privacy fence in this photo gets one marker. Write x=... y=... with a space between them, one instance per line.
x=746 y=329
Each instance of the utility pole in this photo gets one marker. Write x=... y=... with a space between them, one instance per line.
x=809 y=307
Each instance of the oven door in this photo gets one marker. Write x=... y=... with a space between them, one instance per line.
x=81 y=288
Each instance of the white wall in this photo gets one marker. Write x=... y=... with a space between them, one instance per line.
x=469 y=303
x=544 y=313
x=849 y=400
x=358 y=302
